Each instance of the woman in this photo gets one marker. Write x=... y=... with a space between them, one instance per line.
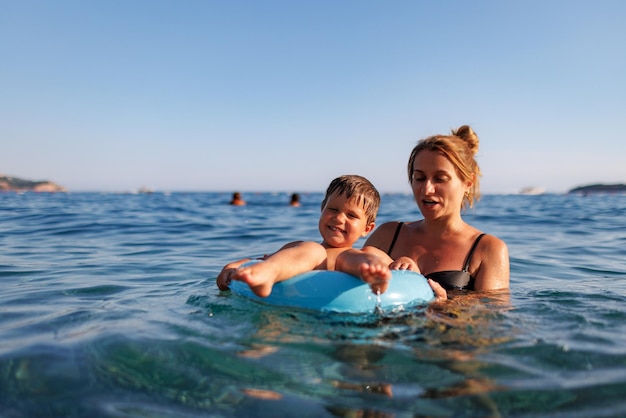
x=452 y=254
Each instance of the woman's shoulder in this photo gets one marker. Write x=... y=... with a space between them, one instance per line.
x=492 y=243
x=390 y=229
x=382 y=235
x=385 y=236
x=488 y=247
x=389 y=226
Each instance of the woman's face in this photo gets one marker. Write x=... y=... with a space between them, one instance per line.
x=437 y=187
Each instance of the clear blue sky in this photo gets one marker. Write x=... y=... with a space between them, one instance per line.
x=228 y=95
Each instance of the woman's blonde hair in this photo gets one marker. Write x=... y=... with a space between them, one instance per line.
x=459 y=147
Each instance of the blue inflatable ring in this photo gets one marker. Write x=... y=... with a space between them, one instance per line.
x=333 y=291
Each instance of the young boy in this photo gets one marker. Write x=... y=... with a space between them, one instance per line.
x=348 y=213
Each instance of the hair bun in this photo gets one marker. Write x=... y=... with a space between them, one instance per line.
x=468 y=135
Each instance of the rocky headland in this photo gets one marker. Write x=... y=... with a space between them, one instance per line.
x=599 y=188
x=14 y=184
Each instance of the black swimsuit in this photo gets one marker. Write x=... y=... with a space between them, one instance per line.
x=449 y=279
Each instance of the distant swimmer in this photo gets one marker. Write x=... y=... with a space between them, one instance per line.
x=237 y=200
x=295 y=200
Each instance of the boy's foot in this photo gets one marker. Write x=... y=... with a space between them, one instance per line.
x=377 y=275
x=259 y=277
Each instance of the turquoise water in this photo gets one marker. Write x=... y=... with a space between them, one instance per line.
x=109 y=308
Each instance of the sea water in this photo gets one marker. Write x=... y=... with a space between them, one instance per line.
x=109 y=308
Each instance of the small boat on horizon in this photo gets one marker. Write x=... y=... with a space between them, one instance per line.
x=531 y=190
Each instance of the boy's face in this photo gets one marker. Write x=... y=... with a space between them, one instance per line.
x=343 y=222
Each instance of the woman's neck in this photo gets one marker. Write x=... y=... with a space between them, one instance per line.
x=442 y=227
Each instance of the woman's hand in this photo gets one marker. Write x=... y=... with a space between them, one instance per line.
x=404 y=263
x=440 y=293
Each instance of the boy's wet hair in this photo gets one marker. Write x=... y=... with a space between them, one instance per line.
x=359 y=188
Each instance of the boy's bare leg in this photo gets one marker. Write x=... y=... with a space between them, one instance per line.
x=280 y=266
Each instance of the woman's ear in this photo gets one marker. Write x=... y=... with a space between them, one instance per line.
x=469 y=184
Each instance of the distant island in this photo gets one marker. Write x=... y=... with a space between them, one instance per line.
x=599 y=188
x=14 y=184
